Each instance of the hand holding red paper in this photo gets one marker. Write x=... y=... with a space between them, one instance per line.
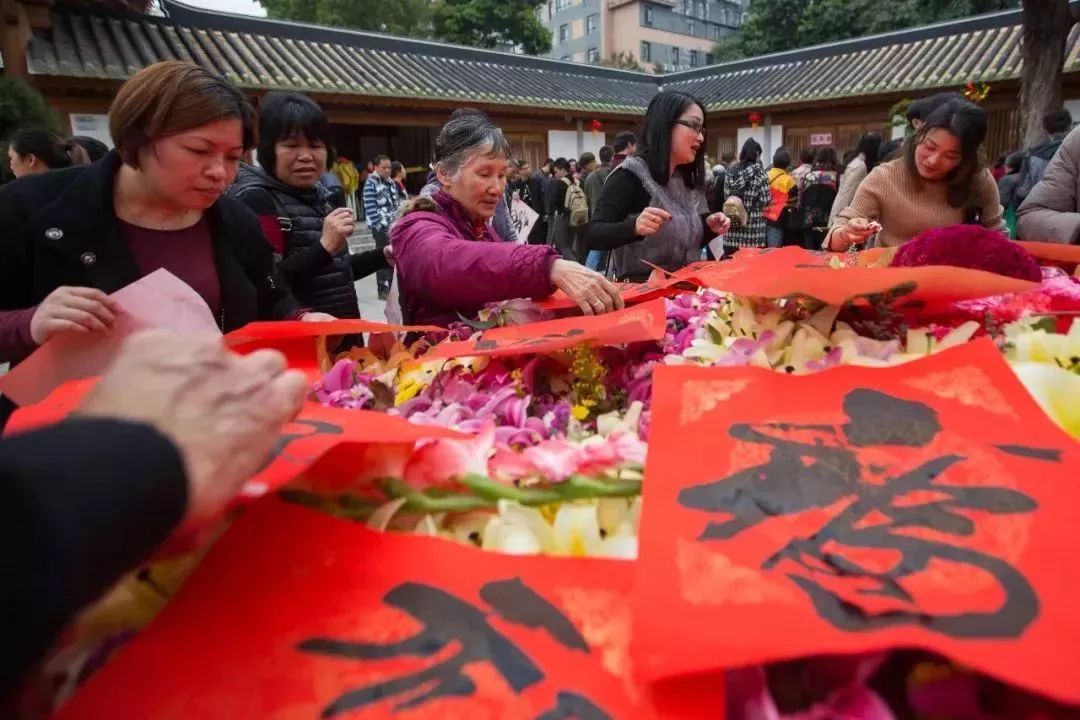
x=592 y=292
x=223 y=411
x=73 y=309
x=650 y=221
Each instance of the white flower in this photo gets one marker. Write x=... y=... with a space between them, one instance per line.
x=1056 y=390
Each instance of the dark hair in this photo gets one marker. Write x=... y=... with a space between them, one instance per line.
x=467 y=131
x=49 y=148
x=826 y=158
x=586 y=159
x=655 y=145
x=561 y=164
x=967 y=121
x=1014 y=162
x=284 y=115
x=549 y=161
x=727 y=157
x=869 y=147
x=750 y=153
x=606 y=153
x=889 y=151
x=172 y=97
x=395 y=168
x=1058 y=121
x=379 y=158
x=807 y=155
x=923 y=107
x=623 y=140
x=95 y=149
x=781 y=159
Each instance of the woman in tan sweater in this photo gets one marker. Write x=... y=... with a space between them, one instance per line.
x=939 y=181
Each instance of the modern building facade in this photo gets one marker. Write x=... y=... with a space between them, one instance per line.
x=661 y=35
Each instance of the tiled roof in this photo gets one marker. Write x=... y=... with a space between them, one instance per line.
x=986 y=48
x=258 y=53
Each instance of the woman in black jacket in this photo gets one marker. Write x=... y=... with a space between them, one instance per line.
x=652 y=207
x=295 y=211
x=73 y=236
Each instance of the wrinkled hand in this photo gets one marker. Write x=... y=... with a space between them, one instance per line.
x=719 y=223
x=856 y=232
x=317 y=317
x=388 y=253
x=592 y=292
x=650 y=221
x=337 y=228
x=72 y=309
x=223 y=412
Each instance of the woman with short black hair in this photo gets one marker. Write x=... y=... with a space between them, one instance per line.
x=296 y=211
x=749 y=183
x=652 y=209
x=33 y=151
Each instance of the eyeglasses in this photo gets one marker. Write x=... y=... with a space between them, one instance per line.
x=692 y=124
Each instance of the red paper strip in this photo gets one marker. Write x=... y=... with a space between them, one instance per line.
x=642 y=322
x=632 y=294
x=293 y=329
x=1063 y=256
x=795 y=271
x=301 y=615
x=927 y=505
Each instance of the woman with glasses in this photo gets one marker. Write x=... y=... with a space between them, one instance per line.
x=653 y=210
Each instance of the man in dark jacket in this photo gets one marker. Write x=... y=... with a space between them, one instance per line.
x=625 y=145
x=164 y=440
x=1057 y=125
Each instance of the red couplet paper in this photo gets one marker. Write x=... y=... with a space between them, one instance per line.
x=1063 y=256
x=295 y=614
x=929 y=505
x=632 y=294
x=641 y=322
x=794 y=271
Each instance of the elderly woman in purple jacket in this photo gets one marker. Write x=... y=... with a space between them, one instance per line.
x=450 y=262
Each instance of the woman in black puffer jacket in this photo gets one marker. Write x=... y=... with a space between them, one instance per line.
x=295 y=210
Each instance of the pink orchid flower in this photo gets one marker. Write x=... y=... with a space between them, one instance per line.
x=556 y=459
x=440 y=462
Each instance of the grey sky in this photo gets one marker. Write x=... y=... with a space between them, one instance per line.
x=247 y=7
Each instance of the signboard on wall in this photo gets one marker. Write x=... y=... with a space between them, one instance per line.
x=95 y=126
x=821 y=139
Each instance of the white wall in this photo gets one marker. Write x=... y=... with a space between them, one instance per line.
x=1073 y=106
x=95 y=126
x=776 y=139
x=564 y=143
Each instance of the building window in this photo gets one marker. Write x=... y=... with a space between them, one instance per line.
x=693 y=58
x=551 y=8
x=592 y=23
x=564 y=33
x=592 y=55
x=709 y=59
x=648 y=16
x=561 y=5
x=715 y=32
x=689 y=27
x=675 y=56
x=646 y=51
x=701 y=10
x=688 y=7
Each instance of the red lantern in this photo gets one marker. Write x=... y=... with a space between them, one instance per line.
x=596 y=126
x=756 y=119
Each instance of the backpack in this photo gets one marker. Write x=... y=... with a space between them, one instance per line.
x=576 y=204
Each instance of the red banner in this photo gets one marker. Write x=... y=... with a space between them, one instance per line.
x=297 y=614
x=632 y=294
x=794 y=271
x=1066 y=257
x=928 y=505
x=642 y=322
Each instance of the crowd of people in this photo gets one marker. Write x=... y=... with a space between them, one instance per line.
x=269 y=241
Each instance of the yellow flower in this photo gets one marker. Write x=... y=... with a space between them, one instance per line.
x=580 y=412
x=1056 y=390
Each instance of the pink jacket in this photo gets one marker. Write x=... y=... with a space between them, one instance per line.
x=448 y=265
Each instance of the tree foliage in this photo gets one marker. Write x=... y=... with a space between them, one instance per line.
x=21 y=106
x=777 y=25
x=623 y=61
x=480 y=23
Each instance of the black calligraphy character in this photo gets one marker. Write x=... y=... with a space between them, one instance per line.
x=450 y=621
x=823 y=467
x=571 y=706
x=317 y=427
